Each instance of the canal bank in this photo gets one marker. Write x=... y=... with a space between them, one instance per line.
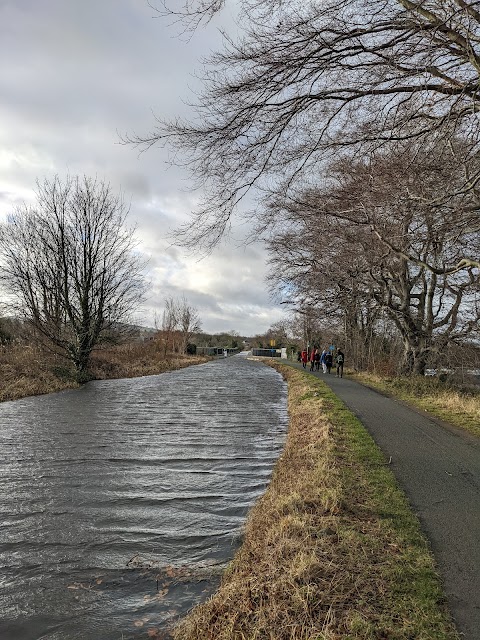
x=332 y=549
x=119 y=501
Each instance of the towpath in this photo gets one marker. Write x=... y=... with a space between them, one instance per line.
x=438 y=467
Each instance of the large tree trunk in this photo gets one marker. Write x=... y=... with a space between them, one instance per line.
x=415 y=356
x=81 y=360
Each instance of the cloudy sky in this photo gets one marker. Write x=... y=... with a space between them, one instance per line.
x=75 y=75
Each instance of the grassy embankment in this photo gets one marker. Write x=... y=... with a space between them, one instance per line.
x=447 y=400
x=332 y=550
x=27 y=370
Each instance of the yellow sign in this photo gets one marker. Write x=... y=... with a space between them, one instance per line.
x=272 y=343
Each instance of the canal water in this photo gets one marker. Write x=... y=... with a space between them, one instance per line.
x=121 y=501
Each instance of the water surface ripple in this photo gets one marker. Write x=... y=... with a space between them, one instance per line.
x=116 y=498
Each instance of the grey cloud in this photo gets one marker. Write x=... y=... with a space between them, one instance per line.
x=75 y=75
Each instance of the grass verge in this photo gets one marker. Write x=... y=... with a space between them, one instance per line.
x=332 y=549
x=441 y=399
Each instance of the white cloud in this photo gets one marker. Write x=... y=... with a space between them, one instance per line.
x=75 y=75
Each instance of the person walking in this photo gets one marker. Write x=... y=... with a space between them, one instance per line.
x=322 y=361
x=312 y=360
x=317 y=359
x=304 y=358
x=340 y=360
x=328 y=361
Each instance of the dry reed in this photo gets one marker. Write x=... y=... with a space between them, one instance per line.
x=28 y=370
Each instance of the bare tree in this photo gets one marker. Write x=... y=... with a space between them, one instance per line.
x=189 y=322
x=169 y=325
x=278 y=333
x=332 y=254
x=349 y=78
x=305 y=80
x=69 y=265
x=180 y=321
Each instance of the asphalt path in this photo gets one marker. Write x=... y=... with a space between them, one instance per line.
x=438 y=467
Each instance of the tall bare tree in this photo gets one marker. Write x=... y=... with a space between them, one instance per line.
x=332 y=252
x=307 y=79
x=69 y=265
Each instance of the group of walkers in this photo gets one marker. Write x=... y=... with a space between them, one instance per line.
x=325 y=358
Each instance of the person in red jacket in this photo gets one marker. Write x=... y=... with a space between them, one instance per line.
x=312 y=360
x=304 y=358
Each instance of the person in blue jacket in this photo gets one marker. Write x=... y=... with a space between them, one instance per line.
x=322 y=361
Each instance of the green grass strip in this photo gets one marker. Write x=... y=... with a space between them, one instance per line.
x=332 y=550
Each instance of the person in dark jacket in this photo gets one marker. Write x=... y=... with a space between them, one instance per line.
x=328 y=361
x=340 y=359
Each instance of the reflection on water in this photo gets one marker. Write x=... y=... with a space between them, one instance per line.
x=117 y=498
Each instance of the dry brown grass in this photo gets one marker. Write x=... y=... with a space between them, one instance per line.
x=29 y=370
x=331 y=550
x=137 y=359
